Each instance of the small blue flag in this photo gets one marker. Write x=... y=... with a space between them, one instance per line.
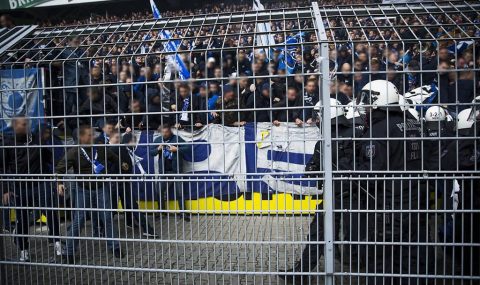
x=155 y=11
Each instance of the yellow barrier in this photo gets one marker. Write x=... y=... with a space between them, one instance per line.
x=283 y=204
x=278 y=204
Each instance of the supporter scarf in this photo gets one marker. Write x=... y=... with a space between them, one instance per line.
x=184 y=114
x=136 y=160
x=97 y=166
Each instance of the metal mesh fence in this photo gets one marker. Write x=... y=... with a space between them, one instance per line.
x=309 y=145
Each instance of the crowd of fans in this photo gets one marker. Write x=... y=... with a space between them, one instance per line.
x=227 y=72
x=206 y=9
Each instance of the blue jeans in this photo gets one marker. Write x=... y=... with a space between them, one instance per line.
x=102 y=199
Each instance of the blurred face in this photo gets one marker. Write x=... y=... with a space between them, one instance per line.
x=96 y=71
x=443 y=54
x=166 y=133
x=92 y=94
x=123 y=76
x=108 y=129
x=311 y=87
x=115 y=138
x=75 y=42
x=87 y=136
x=183 y=92
x=5 y=22
x=214 y=88
x=218 y=73
x=136 y=106
x=443 y=68
x=292 y=94
x=362 y=57
x=20 y=126
x=203 y=92
x=243 y=82
x=346 y=68
x=158 y=68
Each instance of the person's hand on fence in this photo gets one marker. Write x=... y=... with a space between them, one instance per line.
x=298 y=122
x=6 y=198
x=61 y=189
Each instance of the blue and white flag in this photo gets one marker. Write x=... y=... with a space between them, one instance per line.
x=460 y=46
x=287 y=59
x=21 y=95
x=155 y=11
x=266 y=37
x=174 y=60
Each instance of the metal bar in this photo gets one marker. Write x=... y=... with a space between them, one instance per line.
x=327 y=147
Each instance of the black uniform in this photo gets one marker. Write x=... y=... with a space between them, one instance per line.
x=382 y=192
x=344 y=149
x=463 y=155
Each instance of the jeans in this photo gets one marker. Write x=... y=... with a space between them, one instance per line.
x=165 y=187
x=101 y=198
x=39 y=195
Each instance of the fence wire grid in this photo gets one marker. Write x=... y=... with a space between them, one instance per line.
x=315 y=145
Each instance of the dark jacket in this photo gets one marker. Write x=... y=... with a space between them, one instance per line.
x=288 y=110
x=227 y=118
x=74 y=159
x=262 y=105
x=102 y=105
x=25 y=160
x=247 y=101
x=177 y=157
x=200 y=104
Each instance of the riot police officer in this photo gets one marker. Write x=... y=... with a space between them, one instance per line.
x=389 y=147
x=342 y=148
x=463 y=157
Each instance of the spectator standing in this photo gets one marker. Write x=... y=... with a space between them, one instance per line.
x=89 y=161
x=24 y=161
x=170 y=149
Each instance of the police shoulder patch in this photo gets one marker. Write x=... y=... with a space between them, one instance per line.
x=370 y=151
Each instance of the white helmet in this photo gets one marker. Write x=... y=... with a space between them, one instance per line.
x=436 y=114
x=465 y=119
x=378 y=93
x=405 y=105
x=352 y=111
x=336 y=108
x=414 y=113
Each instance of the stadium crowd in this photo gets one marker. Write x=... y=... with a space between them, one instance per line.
x=119 y=82
x=207 y=8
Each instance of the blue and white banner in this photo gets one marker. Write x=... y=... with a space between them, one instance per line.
x=21 y=95
x=231 y=160
x=273 y=152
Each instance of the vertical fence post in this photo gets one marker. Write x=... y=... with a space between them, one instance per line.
x=327 y=145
